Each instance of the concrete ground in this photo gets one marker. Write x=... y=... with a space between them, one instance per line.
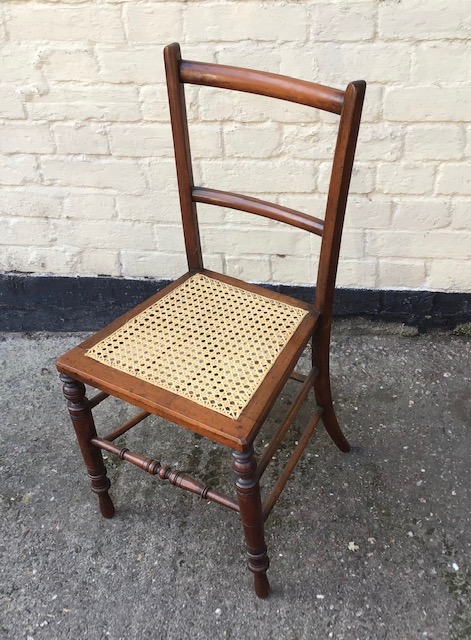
x=375 y=544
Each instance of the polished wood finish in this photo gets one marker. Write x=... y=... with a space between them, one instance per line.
x=259 y=207
x=287 y=422
x=262 y=83
x=129 y=424
x=248 y=494
x=99 y=397
x=82 y=420
x=292 y=462
x=181 y=142
x=329 y=256
x=239 y=435
x=177 y=478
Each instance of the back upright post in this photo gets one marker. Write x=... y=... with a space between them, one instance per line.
x=181 y=142
x=329 y=256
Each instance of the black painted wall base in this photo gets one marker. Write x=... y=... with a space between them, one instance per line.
x=54 y=303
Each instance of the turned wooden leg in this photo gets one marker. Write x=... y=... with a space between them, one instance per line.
x=320 y=359
x=82 y=420
x=248 y=494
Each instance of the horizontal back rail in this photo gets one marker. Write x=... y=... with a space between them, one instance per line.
x=262 y=83
x=259 y=207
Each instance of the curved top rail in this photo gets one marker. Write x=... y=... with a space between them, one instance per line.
x=262 y=83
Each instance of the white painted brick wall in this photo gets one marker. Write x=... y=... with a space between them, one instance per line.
x=87 y=178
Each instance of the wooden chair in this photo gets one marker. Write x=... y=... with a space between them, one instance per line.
x=212 y=353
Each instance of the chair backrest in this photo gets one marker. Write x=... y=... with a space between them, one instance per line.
x=347 y=104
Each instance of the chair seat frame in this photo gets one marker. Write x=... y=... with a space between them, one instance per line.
x=239 y=435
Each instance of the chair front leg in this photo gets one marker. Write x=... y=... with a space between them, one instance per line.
x=84 y=425
x=250 y=503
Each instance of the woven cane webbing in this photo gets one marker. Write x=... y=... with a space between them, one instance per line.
x=206 y=340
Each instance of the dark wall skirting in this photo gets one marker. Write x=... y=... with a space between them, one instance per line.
x=54 y=303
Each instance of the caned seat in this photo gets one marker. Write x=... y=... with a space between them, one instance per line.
x=209 y=352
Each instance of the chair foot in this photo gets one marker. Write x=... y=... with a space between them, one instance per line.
x=84 y=426
x=250 y=503
x=261 y=585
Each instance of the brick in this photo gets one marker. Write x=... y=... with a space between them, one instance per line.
x=16 y=170
x=155 y=103
x=401 y=274
x=337 y=64
x=315 y=141
x=343 y=21
x=379 y=142
x=98 y=23
x=106 y=234
x=251 y=268
x=449 y=275
x=20 y=231
x=29 y=204
x=205 y=140
x=30 y=259
x=141 y=140
x=418 y=244
x=81 y=137
x=95 y=262
x=288 y=269
x=260 y=176
x=434 y=142
x=74 y=101
x=89 y=206
x=25 y=138
x=145 y=22
x=122 y=175
x=422 y=213
x=454 y=178
x=424 y=20
x=20 y=63
x=249 y=141
x=160 y=207
x=359 y=274
x=249 y=55
x=246 y=21
x=431 y=104
x=70 y=65
x=11 y=105
x=353 y=243
x=139 y=66
x=255 y=240
x=152 y=264
x=441 y=62
x=169 y=239
x=162 y=176
x=368 y=212
x=461 y=214
x=405 y=178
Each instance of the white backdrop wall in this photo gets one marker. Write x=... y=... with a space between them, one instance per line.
x=87 y=179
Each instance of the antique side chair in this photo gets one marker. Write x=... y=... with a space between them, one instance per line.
x=212 y=353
